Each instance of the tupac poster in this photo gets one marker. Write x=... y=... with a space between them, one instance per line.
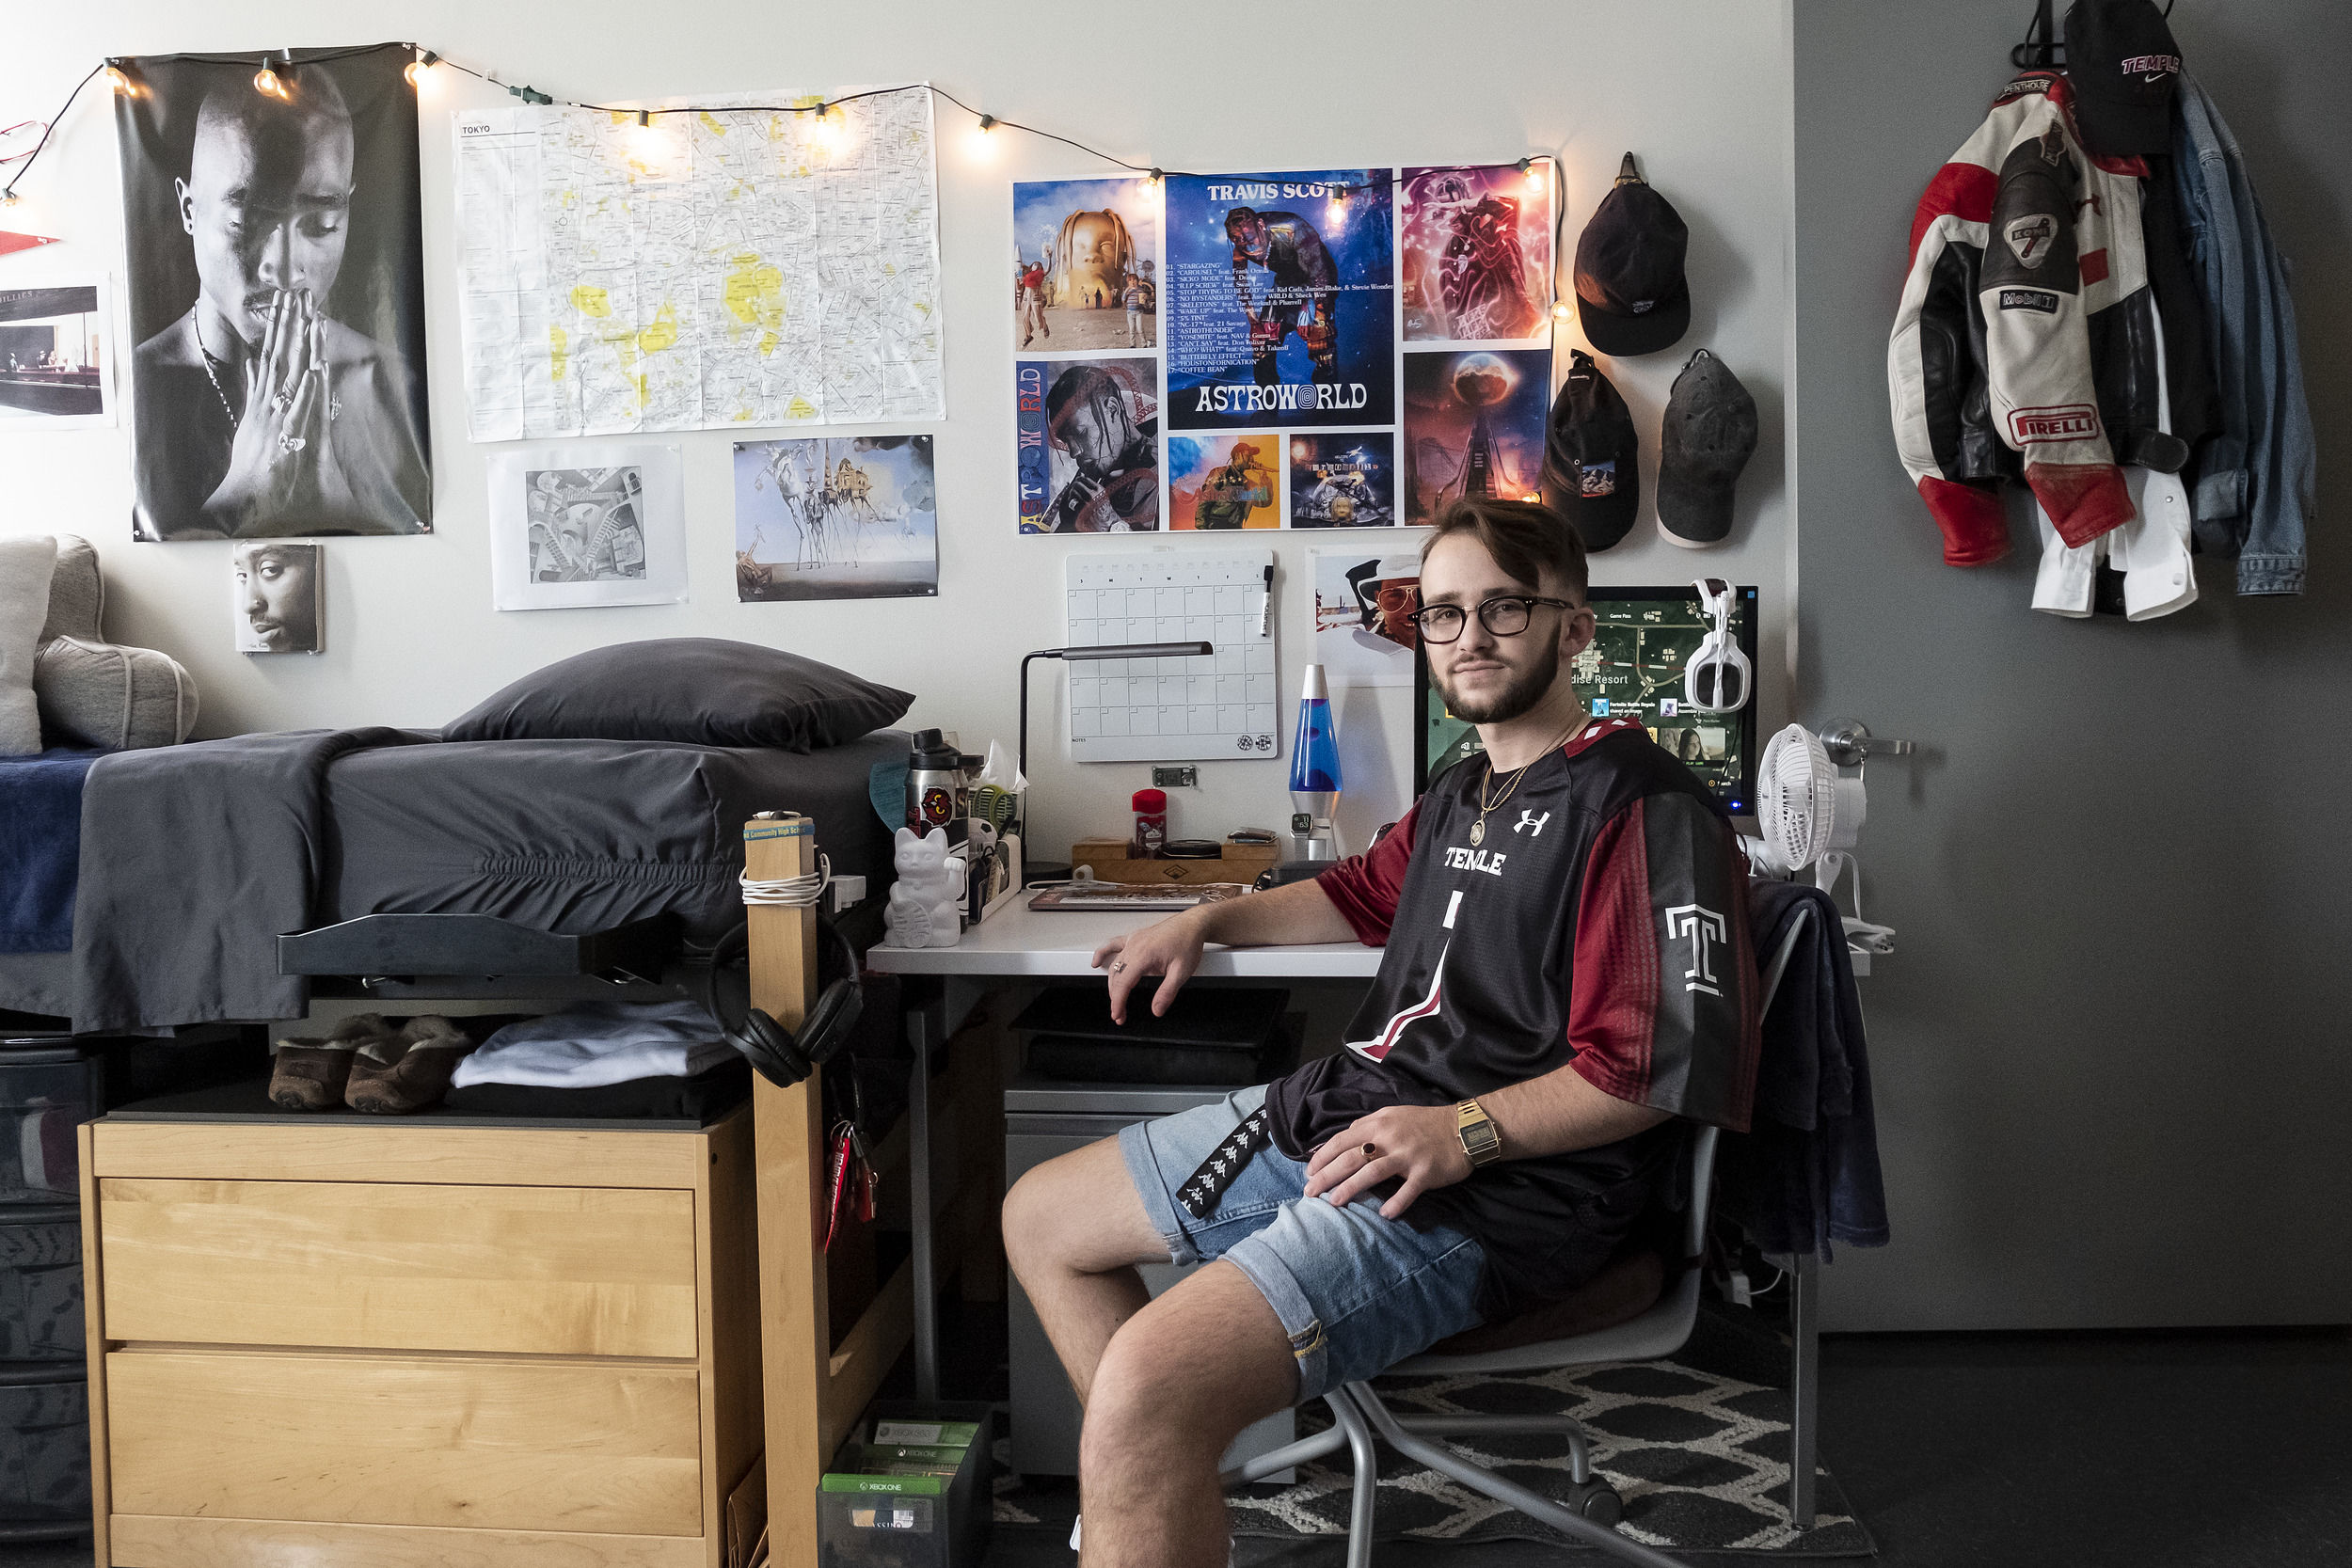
x=1281 y=305
x=276 y=294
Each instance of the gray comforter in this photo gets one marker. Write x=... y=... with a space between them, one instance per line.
x=194 y=859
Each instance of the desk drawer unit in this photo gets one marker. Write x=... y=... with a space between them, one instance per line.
x=399 y=1346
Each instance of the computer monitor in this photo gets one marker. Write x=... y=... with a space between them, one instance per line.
x=1632 y=670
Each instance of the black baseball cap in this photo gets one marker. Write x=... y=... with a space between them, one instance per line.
x=1631 y=293
x=2121 y=65
x=1591 y=456
x=1709 y=437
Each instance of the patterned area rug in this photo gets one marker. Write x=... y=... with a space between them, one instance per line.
x=1702 y=1463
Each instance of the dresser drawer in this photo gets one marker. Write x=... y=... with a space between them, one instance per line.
x=551 y=1271
x=453 y=1441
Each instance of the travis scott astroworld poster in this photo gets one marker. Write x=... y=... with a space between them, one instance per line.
x=1281 y=300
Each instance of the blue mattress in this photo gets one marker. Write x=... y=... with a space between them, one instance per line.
x=41 y=847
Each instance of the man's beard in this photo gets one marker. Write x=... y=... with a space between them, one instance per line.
x=1527 y=689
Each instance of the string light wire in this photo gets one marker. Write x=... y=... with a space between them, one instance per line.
x=822 y=108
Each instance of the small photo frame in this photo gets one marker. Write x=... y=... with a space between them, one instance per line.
x=279 y=595
x=56 y=352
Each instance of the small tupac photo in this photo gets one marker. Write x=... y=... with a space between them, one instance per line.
x=278 y=598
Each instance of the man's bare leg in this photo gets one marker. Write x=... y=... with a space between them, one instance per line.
x=1172 y=1389
x=1074 y=1230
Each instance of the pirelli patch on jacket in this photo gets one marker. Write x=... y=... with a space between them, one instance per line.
x=2029 y=299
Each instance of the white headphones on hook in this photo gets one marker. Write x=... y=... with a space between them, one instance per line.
x=1718 y=678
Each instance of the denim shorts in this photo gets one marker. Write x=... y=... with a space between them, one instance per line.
x=1355 y=1292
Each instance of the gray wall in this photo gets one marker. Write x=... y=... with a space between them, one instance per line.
x=2113 y=1057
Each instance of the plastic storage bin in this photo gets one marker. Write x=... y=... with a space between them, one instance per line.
x=45 y=1453
x=45 y=1093
x=934 y=1512
x=40 y=1284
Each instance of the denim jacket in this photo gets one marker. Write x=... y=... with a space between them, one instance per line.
x=2257 y=479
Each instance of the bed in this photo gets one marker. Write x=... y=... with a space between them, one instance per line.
x=195 y=859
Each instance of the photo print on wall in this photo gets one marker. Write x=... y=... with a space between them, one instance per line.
x=1473 y=426
x=1475 y=260
x=1281 y=299
x=277 y=296
x=836 y=517
x=1085 y=264
x=1088 y=445
x=281 y=598
x=588 y=524
x=1346 y=480
x=57 y=356
x=1224 y=482
x=1362 y=637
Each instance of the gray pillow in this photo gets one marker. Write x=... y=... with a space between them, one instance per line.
x=25 y=567
x=77 y=594
x=104 y=694
x=703 y=690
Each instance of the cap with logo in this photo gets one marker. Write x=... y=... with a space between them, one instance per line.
x=2121 y=65
x=1709 y=437
x=1631 y=292
x=1590 y=457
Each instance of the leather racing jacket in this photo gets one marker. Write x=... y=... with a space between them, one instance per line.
x=2026 y=344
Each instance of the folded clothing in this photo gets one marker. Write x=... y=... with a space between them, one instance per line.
x=702 y=1098
x=595 y=1043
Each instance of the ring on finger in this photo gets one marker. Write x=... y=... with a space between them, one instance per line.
x=1120 y=965
x=1371 y=1152
x=282 y=402
x=292 y=443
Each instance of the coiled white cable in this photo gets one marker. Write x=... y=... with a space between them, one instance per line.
x=799 y=893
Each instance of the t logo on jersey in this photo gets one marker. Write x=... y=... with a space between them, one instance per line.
x=1705 y=928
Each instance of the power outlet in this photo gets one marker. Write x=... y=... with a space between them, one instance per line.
x=1175 y=778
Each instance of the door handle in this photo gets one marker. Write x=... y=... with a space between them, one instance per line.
x=1850 y=743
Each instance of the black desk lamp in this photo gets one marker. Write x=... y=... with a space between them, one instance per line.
x=1104 y=650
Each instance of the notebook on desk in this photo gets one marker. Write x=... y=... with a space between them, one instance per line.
x=1140 y=897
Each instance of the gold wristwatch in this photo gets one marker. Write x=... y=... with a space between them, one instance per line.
x=1481 y=1140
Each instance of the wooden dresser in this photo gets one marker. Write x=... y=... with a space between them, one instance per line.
x=415 y=1346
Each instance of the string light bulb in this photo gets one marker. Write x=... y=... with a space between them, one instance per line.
x=988 y=124
x=645 y=120
x=417 y=69
x=267 y=82
x=1560 y=309
x=1154 y=178
x=117 y=79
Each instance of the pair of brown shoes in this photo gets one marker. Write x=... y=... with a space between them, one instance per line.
x=385 y=1067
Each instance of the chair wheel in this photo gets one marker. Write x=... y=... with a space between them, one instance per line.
x=1599 y=1501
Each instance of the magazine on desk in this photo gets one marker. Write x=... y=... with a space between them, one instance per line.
x=1140 y=897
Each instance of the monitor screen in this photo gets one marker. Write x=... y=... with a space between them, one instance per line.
x=1632 y=670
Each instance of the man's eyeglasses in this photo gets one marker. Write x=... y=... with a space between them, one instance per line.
x=1505 y=615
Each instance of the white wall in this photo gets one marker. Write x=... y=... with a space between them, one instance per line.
x=1699 y=88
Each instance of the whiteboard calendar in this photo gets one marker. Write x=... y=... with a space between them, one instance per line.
x=1220 y=704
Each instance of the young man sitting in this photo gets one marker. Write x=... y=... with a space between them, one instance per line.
x=1569 y=971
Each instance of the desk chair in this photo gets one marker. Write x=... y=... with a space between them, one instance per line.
x=1627 y=1313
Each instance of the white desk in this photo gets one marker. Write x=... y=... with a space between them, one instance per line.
x=1018 y=940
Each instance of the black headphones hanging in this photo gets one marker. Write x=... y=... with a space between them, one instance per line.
x=777 y=1054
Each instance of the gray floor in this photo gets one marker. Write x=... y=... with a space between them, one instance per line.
x=2134 y=1450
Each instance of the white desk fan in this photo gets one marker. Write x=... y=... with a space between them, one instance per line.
x=1808 y=813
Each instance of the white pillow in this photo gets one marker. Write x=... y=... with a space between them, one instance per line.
x=104 y=694
x=25 y=567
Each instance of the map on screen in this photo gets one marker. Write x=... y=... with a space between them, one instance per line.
x=1633 y=669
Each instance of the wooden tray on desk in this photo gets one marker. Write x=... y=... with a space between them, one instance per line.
x=1238 y=862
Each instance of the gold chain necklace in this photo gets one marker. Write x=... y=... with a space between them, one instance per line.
x=1478 y=829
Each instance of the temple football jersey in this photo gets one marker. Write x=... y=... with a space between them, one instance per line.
x=1597 y=922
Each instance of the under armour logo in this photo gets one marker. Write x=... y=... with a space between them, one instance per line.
x=1705 y=927
x=1529 y=822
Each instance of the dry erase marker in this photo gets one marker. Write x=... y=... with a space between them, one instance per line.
x=1265 y=613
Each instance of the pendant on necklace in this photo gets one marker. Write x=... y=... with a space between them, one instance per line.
x=1478 y=832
